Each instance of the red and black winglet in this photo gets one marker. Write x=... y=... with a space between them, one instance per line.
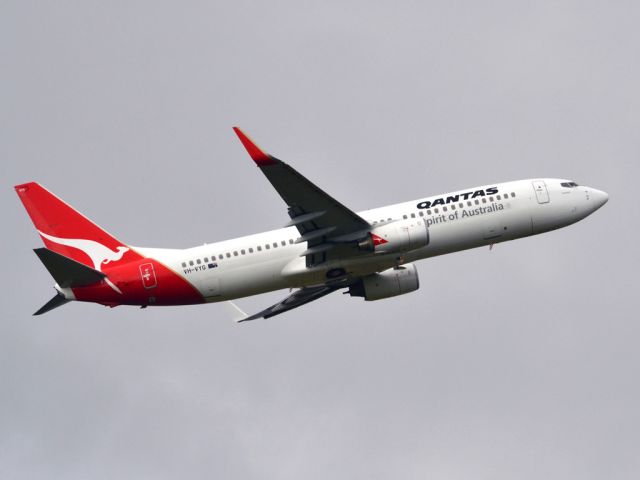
x=259 y=156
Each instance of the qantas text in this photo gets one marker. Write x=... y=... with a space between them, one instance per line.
x=457 y=197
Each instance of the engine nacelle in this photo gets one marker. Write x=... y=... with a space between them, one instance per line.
x=397 y=237
x=390 y=283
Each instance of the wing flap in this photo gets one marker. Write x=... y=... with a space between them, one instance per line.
x=304 y=218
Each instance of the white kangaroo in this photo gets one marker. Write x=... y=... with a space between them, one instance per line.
x=98 y=253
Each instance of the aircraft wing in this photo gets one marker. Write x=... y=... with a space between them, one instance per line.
x=324 y=223
x=295 y=300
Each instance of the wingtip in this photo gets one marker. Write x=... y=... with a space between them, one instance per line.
x=258 y=155
x=24 y=187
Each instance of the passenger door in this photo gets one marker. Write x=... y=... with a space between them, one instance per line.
x=542 y=194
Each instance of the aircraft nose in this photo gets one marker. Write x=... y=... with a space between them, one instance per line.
x=599 y=197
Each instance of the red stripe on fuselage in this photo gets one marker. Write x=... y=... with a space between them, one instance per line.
x=170 y=288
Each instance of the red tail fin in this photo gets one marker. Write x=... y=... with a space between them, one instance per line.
x=68 y=232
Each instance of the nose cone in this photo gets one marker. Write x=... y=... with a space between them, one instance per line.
x=599 y=198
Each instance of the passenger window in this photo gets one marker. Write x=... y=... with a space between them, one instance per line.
x=513 y=195
x=429 y=212
x=283 y=243
x=477 y=202
x=191 y=262
x=235 y=253
x=404 y=216
x=267 y=246
x=453 y=207
x=435 y=210
x=413 y=215
x=421 y=213
x=250 y=250
x=275 y=244
x=491 y=199
x=291 y=241
x=184 y=264
x=242 y=251
x=484 y=200
x=469 y=203
x=206 y=259
x=228 y=255
x=259 y=248
x=461 y=205
x=498 y=197
x=444 y=209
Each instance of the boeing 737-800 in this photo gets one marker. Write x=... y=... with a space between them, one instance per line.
x=323 y=248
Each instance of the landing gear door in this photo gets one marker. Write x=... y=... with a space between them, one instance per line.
x=542 y=194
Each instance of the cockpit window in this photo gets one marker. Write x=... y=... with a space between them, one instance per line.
x=569 y=184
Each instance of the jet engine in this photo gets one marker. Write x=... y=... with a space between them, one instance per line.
x=390 y=283
x=397 y=237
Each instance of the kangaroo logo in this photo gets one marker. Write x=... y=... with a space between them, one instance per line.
x=98 y=253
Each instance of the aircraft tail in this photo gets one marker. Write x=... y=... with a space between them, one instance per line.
x=67 y=273
x=67 y=232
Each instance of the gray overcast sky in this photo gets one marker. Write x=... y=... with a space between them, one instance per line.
x=522 y=362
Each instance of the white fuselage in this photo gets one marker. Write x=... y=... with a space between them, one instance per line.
x=271 y=260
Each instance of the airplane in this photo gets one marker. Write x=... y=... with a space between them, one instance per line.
x=325 y=246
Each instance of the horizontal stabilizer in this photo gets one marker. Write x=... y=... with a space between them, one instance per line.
x=55 y=302
x=67 y=272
